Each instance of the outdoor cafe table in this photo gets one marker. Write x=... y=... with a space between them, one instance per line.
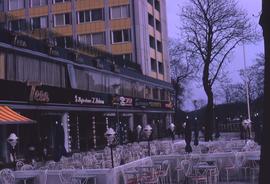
x=99 y=176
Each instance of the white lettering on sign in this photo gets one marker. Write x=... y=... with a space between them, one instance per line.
x=92 y=100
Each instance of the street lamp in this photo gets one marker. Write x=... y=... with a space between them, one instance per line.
x=116 y=88
x=12 y=140
x=139 y=128
x=148 y=131
x=110 y=135
x=172 y=128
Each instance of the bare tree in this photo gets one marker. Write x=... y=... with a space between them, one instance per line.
x=181 y=70
x=212 y=29
x=253 y=76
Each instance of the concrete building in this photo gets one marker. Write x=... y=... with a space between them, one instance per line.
x=135 y=30
x=50 y=73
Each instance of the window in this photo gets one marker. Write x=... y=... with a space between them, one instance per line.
x=158 y=25
x=159 y=46
x=2 y=65
x=1 y=5
x=62 y=19
x=120 y=36
x=90 y=15
x=16 y=4
x=92 y=39
x=60 y=1
x=160 y=68
x=18 y=25
x=155 y=93
x=153 y=65
x=150 y=20
x=152 y=42
x=150 y=2
x=157 y=5
x=148 y=94
x=35 y=3
x=124 y=57
x=64 y=41
x=39 y=22
x=97 y=14
x=162 y=94
x=98 y=38
x=119 y=12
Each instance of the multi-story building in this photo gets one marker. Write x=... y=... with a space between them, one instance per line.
x=64 y=83
x=135 y=30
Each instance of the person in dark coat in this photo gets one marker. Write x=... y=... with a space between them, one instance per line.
x=188 y=136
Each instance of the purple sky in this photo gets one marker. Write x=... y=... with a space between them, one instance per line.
x=253 y=7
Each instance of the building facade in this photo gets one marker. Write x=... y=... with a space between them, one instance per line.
x=58 y=81
x=134 y=30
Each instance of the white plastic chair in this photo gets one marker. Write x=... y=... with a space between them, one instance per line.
x=7 y=176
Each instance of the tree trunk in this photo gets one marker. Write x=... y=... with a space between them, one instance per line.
x=209 y=108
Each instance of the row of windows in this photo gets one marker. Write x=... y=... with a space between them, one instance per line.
x=154 y=22
x=116 y=12
x=157 y=66
x=155 y=45
x=22 y=68
x=19 y=4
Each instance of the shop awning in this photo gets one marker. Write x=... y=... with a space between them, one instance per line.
x=8 y=116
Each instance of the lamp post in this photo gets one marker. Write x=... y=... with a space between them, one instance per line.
x=12 y=140
x=116 y=88
x=110 y=135
x=139 y=128
x=148 y=131
x=172 y=128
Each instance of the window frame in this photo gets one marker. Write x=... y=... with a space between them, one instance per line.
x=121 y=12
x=46 y=3
x=90 y=16
x=122 y=36
x=64 y=19
x=17 y=7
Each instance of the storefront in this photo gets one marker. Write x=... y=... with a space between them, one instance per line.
x=84 y=116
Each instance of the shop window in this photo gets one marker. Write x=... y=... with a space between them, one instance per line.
x=62 y=19
x=95 y=81
x=127 y=57
x=2 y=65
x=39 y=22
x=148 y=93
x=160 y=68
x=120 y=36
x=119 y=12
x=152 y=42
x=155 y=93
x=153 y=65
x=162 y=94
x=36 y=3
x=159 y=46
x=64 y=42
x=150 y=20
x=158 y=25
x=18 y=25
x=16 y=4
x=126 y=87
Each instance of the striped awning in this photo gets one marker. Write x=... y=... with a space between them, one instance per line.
x=8 y=116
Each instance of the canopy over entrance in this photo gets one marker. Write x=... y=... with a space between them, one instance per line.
x=8 y=116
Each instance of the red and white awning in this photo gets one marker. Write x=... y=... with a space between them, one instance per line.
x=8 y=116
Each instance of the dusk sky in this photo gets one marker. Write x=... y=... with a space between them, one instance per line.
x=253 y=8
